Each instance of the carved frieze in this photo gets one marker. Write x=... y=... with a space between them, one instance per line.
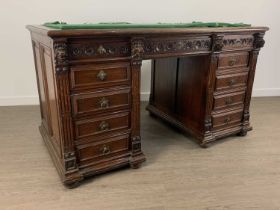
x=177 y=45
x=99 y=50
x=235 y=42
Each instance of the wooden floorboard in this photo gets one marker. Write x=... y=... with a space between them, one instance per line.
x=235 y=173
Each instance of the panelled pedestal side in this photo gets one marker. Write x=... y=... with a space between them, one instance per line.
x=208 y=95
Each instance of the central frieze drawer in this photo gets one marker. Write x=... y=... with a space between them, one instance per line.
x=100 y=75
x=229 y=60
x=102 y=125
x=98 y=102
x=231 y=81
x=104 y=149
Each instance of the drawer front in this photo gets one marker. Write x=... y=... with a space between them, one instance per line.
x=237 y=42
x=99 y=102
x=231 y=81
x=229 y=60
x=103 y=150
x=80 y=49
x=228 y=100
x=226 y=119
x=100 y=75
x=102 y=125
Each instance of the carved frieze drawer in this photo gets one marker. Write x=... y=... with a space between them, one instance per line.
x=156 y=46
x=88 y=48
x=101 y=102
x=102 y=150
x=230 y=60
x=100 y=75
x=236 y=42
x=89 y=128
x=226 y=101
x=229 y=81
x=227 y=119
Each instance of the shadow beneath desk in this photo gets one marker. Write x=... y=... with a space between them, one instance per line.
x=159 y=136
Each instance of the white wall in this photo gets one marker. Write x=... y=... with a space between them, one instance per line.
x=17 y=75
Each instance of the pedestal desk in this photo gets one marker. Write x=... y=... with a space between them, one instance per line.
x=88 y=82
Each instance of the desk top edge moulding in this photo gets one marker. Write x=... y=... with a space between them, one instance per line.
x=88 y=78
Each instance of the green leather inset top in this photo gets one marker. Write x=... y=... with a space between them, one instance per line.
x=124 y=25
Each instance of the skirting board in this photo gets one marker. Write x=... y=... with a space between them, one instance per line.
x=34 y=100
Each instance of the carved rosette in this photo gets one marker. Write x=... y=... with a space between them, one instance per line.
x=137 y=50
x=217 y=43
x=61 y=57
x=259 y=41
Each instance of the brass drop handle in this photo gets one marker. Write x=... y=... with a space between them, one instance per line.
x=104 y=103
x=231 y=82
x=104 y=126
x=101 y=75
x=105 y=150
x=228 y=101
x=232 y=61
x=227 y=120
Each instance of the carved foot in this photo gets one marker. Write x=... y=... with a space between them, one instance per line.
x=137 y=160
x=242 y=133
x=135 y=165
x=73 y=179
x=204 y=145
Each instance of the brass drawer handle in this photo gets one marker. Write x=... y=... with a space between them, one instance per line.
x=231 y=82
x=227 y=120
x=105 y=150
x=103 y=126
x=104 y=103
x=228 y=101
x=232 y=61
x=101 y=75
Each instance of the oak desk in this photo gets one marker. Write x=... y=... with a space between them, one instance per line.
x=88 y=81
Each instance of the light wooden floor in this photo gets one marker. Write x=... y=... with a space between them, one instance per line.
x=238 y=173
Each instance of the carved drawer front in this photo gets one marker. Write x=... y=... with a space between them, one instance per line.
x=227 y=119
x=228 y=100
x=103 y=150
x=98 y=102
x=100 y=75
x=229 y=60
x=98 y=48
x=236 y=42
x=229 y=81
x=102 y=125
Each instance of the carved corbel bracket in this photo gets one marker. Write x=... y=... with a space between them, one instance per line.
x=136 y=144
x=258 y=41
x=217 y=43
x=61 y=57
x=137 y=50
x=70 y=161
